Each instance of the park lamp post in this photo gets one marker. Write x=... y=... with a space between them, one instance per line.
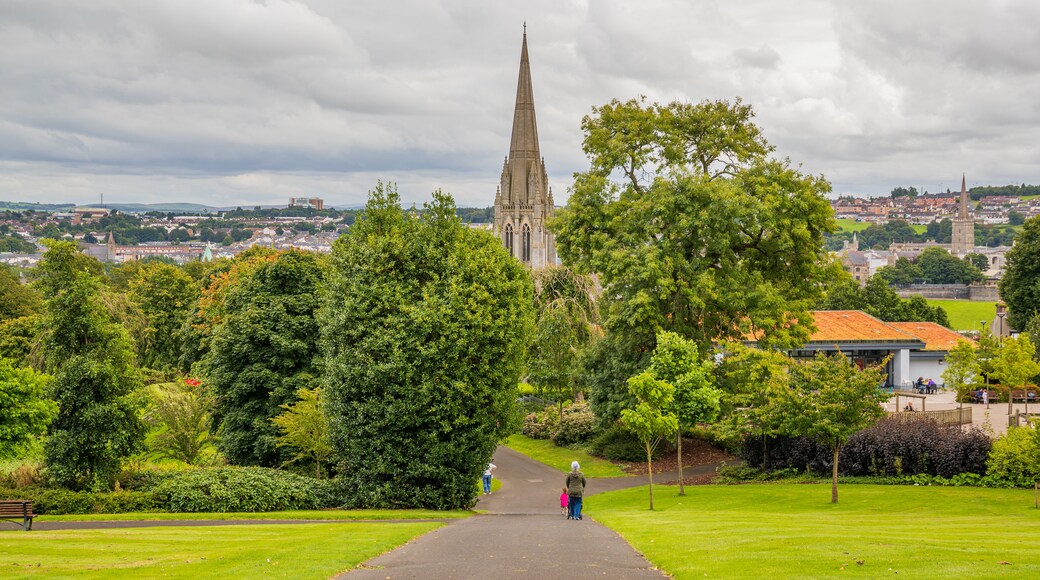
x=1000 y=333
x=986 y=377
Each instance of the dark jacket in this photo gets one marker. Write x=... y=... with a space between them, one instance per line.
x=575 y=484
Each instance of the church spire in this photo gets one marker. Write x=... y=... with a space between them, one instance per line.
x=524 y=142
x=964 y=199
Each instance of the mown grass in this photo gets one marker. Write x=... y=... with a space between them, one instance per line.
x=248 y=551
x=793 y=531
x=337 y=515
x=851 y=225
x=967 y=314
x=560 y=458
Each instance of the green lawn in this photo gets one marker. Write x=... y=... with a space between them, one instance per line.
x=561 y=457
x=250 y=551
x=966 y=314
x=847 y=225
x=341 y=515
x=793 y=531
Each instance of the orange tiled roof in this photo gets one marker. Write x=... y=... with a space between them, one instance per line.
x=935 y=336
x=854 y=326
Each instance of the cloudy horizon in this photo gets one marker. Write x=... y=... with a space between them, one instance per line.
x=245 y=102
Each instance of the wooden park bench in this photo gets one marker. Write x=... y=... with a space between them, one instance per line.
x=17 y=509
x=1023 y=396
x=994 y=397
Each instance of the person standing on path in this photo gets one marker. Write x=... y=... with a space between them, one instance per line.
x=575 y=491
x=487 y=478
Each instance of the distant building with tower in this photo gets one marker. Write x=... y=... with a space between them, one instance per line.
x=524 y=200
x=311 y=202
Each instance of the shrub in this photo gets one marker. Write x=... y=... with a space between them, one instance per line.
x=540 y=425
x=1011 y=458
x=891 y=447
x=619 y=445
x=62 y=501
x=577 y=425
x=242 y=489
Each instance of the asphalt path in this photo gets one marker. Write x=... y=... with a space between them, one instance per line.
x=521 y=535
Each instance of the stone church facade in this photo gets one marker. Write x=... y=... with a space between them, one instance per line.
x=524 y=200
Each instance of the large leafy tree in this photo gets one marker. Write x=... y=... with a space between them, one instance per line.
x=1020 y=285
x=567 y=322
x=92 y=361
x=692 y=228
x=425 y=332
x=165 y=296
x=941 y=267
x=25 y=411
x=263 y=350
x=828 y=399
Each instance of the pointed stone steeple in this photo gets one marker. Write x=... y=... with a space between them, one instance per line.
x=963 y=239
x=964 y=199
x=524 y=200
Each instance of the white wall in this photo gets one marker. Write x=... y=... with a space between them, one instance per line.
x=928 y=368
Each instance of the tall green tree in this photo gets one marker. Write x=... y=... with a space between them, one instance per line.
x=425 y=332
x=650 y=419
x=567 y=322
x=264 y=348
x=692 y=228
x=902 y=273
x=1020 y=285
x=963 y=371
x=95 y=380
x=165 y=296
x=1015 y=365
x=696 y=400
x=828 y=399
x=25 y=411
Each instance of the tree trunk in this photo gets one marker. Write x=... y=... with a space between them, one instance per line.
x=834 y=474
x=678 y=438
x=650 y=472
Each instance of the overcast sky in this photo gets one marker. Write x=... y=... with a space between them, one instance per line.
x=243 y=102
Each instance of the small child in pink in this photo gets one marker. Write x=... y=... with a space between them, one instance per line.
x=563 y=501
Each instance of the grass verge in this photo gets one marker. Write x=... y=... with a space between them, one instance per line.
x=277 y=551
x=967 y=314
x=340 y=515
x=793 y=531
x=547 y=452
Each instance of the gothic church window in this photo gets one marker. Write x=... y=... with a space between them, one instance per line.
x=525 y=243
x=509 y=238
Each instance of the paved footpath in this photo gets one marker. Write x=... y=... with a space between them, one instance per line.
x=522 y=535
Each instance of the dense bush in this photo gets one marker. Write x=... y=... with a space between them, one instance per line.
x=541 y=424
x=578 y=424
x=891 y=447
x=1013 y=458
x=62 y=501
x=620 y=445
x=242 y=489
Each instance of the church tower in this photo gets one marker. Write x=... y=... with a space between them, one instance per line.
x=963 y=240
x=524 y=201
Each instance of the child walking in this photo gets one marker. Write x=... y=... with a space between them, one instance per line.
x=563 y=502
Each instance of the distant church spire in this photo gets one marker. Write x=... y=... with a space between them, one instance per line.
x=963 y=236
x=964 y=199
x=524 y=200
